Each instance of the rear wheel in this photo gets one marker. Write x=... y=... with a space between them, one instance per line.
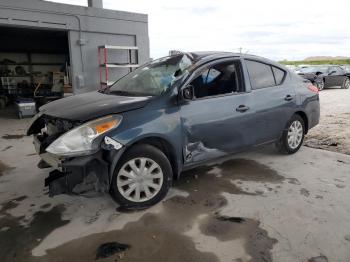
x=293 y=135
x=346 y=83
x=142 y=177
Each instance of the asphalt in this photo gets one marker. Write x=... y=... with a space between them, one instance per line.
x=256 y=206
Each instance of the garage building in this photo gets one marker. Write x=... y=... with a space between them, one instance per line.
x=49 y=49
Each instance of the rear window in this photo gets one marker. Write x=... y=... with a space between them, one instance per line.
x=279 y=75
x=260 y=74
x=264 y=75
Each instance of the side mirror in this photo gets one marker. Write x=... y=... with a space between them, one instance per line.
x=188 y=92
x=333 y=72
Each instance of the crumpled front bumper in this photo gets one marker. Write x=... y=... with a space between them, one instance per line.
x=81 y=175
x=84 y=175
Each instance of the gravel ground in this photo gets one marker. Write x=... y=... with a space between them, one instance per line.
x=333 y=132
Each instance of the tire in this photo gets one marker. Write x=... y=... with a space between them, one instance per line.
x=320 y=85
x=160 y=177
x=288 y=146
x=346 y=83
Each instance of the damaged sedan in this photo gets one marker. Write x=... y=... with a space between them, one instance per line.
x=172 y=114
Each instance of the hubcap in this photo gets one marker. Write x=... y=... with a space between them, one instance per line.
x=140 y=179
x=295 y=134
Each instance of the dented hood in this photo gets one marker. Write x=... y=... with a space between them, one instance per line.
x=91 y=105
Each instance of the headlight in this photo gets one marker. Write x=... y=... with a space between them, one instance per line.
x=82 y=140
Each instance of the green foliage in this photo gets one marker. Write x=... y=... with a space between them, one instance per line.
x=320 y=62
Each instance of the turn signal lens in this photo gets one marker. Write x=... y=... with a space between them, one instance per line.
x=100 y=129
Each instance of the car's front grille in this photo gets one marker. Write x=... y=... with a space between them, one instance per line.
x=51 y=128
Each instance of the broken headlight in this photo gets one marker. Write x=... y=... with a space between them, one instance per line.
x=82 y=140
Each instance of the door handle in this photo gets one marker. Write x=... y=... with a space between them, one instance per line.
x=288 y=98
x=242 y=108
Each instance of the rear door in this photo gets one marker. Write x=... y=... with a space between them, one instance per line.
x=218 y=121
x=273 y=99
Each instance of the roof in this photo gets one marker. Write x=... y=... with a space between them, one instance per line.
x=218 y=54
x=204 y=56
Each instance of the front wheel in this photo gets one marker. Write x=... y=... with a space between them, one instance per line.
x=142 y=177
x=320 y=85
x=293 y=135
x=346 y=83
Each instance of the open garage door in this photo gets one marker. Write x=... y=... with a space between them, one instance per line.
x=34 y=67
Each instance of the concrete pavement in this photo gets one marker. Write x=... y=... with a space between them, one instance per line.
x=257 y=206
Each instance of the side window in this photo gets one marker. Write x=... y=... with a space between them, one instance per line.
x=332 y=69
x=260 y=74
x=222 y=78
x=339 y=69
x=211 y=75
x=279 y=75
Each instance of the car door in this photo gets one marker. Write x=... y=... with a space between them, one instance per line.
x=217 y=121
x=273 y=98
x=335 y=76
x=340 y=73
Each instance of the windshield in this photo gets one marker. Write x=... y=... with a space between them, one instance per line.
x=313 y=69
x=153 y=78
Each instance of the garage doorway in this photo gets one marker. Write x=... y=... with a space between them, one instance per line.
x=34 y=66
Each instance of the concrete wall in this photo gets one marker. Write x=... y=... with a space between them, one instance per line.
x=87 y=29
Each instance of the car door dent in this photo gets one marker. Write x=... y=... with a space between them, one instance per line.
x=198 y=151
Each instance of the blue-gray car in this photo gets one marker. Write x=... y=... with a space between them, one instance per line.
x=135 y=137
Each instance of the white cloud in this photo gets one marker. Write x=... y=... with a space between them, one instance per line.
x=272 y=28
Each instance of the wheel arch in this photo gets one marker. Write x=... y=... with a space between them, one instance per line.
x=163 y=145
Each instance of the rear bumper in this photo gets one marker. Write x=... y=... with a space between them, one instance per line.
x=312 y=111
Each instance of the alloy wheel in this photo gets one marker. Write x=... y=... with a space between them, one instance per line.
x=295 y=134
x=347 y=83
x=320 y=85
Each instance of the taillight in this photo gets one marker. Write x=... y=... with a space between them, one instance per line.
x=313 y=88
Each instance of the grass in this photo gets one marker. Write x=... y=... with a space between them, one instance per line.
x=320 y=62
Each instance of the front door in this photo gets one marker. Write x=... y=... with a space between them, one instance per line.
x=335 y=76
x=217 y=121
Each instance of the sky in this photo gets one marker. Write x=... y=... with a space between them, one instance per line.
x=276 y=29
